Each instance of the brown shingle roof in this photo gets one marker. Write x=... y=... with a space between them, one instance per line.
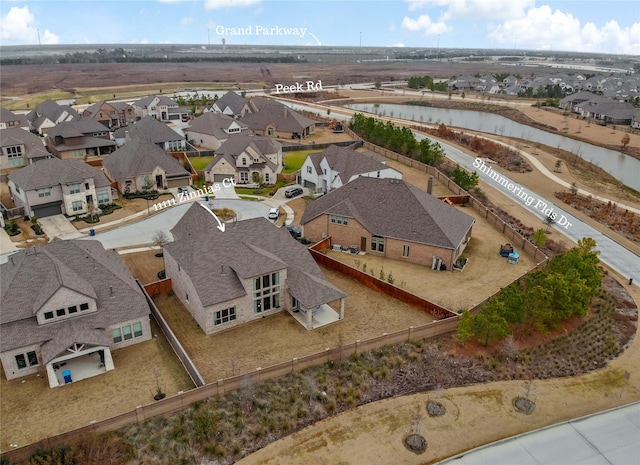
x=397 y=209
x=54 y=171
x=282 y=117
x=348 y=163
x=151 y=129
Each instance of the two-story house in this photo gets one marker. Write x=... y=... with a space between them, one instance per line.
x=247 y=159
x=230 y=104
x=66 y=306
x=160 y=107
x=211 y=130
x=113 y=115
x=48 y=114
x=251 y=270
x=53 y=186
x=81 y=139
x=335 y=166
x=20 y=148
x=141 y=165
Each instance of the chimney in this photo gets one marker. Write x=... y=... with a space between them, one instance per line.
x=430 y=185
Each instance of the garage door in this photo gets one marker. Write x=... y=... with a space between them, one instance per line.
x=310 y=185
x=221 y=177
x=43 y=211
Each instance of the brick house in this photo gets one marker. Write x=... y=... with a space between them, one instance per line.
x=390 y=218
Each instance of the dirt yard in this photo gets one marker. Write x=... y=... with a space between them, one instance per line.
x=32 y=411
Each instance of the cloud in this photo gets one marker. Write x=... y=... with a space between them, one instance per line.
x=186 y=20
x=217 y=4
x=545 y=29
x=424 y=23
x=398 y=44
x=19 y=27
x=476 y=9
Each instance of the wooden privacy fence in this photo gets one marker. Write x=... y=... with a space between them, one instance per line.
x=182 y=400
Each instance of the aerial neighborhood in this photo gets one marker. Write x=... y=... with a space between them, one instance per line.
x=176 y=229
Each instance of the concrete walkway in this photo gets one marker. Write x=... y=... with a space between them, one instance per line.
x=59 y=226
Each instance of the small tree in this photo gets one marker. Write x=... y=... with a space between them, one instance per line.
x=539 y=238
x=160 y=239
x=390 y=279
x=625 y=141
x=548 y=221
x=573 y=188
x=558 y=166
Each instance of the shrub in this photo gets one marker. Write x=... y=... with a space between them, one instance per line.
x=12 y=228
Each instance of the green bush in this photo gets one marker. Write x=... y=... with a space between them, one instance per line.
x=12 y=228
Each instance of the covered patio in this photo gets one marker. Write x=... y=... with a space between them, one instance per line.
x=317 y=317
x=77 y=363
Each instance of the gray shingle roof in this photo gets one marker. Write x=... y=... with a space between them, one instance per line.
x=83 y=127
x=236 y=144
x=232 y=100
x=348 y=162
x=215 y=260
x=282 y=117
x=151 y=129
x=395 y=208
x=139 y=157
x=34 y=148
x=52 y=110
x=214 y=124
x=33 y=274
x=54 y=171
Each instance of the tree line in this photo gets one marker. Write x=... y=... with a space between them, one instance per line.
x=426 y=82
x=397 y=139
x=541 y=301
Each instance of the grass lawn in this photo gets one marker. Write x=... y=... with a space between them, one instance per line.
x=200 y=163
x=293 y=160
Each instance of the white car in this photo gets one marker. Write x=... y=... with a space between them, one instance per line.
x=274 y=213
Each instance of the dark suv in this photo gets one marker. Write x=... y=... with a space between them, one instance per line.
x=292 y=192
x=295 y=231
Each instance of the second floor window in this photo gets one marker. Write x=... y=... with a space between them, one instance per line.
x=44 y=192
x=74 y=188
x=266 y=292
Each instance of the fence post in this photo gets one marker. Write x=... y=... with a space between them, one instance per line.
x=294 y=364
x=220 y=387
x=357 y=346
x=139 y=414
x=410 y=333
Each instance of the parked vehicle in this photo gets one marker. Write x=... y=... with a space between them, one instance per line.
x=292 y=192
x=183 y=190
x=274 y=213
x=295 y=231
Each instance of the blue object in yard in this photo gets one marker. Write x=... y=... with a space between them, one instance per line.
x=206 y=198
x=92 y=232
x=66 y=374
x=514 y=257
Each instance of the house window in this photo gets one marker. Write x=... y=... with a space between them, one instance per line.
x=266 y=292
x=270 y=131
x=15 y=155
x=244 y=176
x=339 y=219
x=79 y=153
x=72 y=309
x=84 y=307
x=76 y=205
x=224 y=316
x=117 y=335
x=86 y=186
x=232 y=130
x=309 y=170
x=74 y=188
x=377 y=244
x=61 y=312
x=44 y=192
x=266 y=178
x=48 y=315
x=21 y=360
x=103 y=197
x=244 y=161
x=405 y=251
x=126 y=332
x=137 y=329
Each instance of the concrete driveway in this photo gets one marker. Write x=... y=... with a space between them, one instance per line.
x=59 y=226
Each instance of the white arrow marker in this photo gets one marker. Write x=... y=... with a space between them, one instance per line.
x=221 y=225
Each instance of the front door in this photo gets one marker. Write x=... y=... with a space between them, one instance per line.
x=363 y=244
x=159 y=181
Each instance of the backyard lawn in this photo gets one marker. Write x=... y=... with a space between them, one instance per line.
x=200 y=163
x=293 y=160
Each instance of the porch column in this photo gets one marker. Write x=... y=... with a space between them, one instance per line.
x=108 y=361
x=51 y=375
x=309 y=318
x=342 y=308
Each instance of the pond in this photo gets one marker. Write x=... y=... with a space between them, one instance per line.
x=624 y=168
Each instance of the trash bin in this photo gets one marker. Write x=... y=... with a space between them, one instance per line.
x=206 y=198
x=92 y=232
x=66 y=374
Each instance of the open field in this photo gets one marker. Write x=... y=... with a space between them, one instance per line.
x=200 y=163
x=293 y=160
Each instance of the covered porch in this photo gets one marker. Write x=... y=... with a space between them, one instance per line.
x=316 y=317
x=77 y=363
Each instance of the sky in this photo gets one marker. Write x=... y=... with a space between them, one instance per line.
x=570 y=25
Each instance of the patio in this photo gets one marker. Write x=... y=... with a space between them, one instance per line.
x=321 y=316
x=82 y=367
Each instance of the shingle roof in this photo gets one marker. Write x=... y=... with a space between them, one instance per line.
x=162 y=100
x=33 y=146
x=138 y=157
x=30 y=276
x=151 y=129
x=232 y=100
x=54 y=171
x=215 y=260
x=347 y=162
x=7 y=116
x=395 y=208
x=282 y=117
x=236 y=144
x=214 y=124
x=51 y=110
